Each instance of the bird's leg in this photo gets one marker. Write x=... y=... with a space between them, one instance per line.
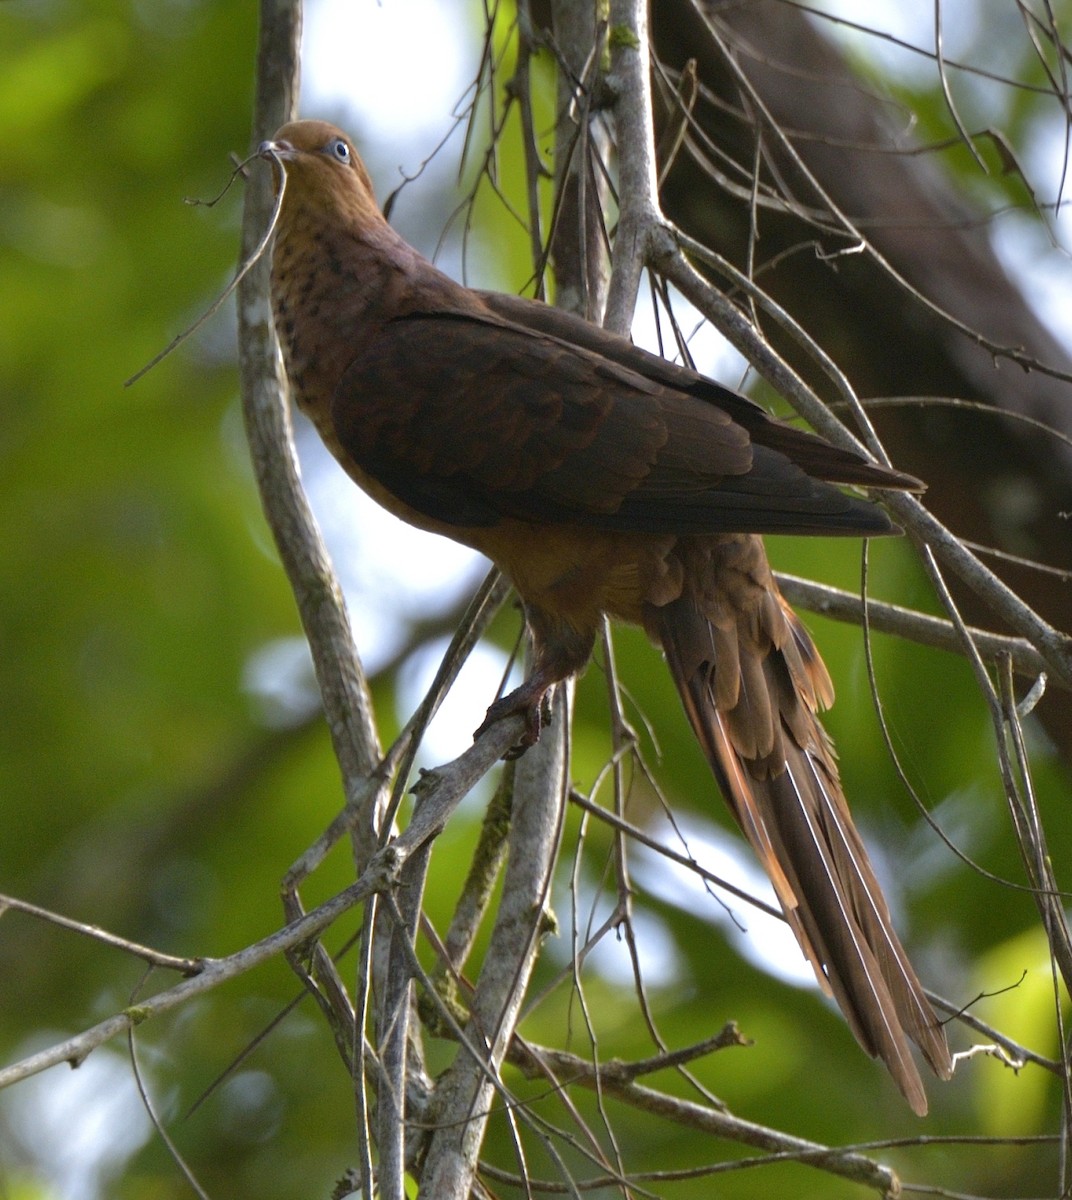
x=532 y=700
x=560 y=650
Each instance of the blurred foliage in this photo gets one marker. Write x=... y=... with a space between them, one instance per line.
x=144 y=790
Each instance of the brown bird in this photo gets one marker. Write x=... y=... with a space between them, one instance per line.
x=604 y=480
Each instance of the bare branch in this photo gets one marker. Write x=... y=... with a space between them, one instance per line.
x=465 y=1092
x=638 y=189
x=570 y=1068
x=215 y=971
x=301 y=548
x=1054 y=646
x=155 y=958
x=444 y=789
x=915 y=626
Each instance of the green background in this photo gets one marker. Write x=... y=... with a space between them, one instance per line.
x=143 y=788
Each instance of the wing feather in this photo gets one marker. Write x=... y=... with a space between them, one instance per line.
x=470 y=420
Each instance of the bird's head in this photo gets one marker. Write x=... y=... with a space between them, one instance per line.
x=322 y=168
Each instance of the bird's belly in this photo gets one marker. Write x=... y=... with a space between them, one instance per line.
x=578 y=573
x=575 y=573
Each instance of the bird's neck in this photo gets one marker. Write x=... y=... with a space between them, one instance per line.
x=329 y=294
x=338 y=276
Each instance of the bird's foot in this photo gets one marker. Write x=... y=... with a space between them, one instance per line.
x=532 y=700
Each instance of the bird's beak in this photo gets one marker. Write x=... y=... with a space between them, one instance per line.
x=275 y=150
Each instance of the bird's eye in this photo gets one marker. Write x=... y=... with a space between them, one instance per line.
x=339 y=150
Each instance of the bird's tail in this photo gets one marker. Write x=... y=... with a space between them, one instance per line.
x=751 y=681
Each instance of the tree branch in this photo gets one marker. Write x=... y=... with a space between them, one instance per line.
x=915 y=626
x=670 y=261
x=562 y=1068
x=638 y=189
x=444 y=789
x=464 y=1094
x=301 y=548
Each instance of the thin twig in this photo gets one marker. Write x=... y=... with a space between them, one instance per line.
x=446 y=787
x=535 y=1062
x=915 y=626
x=158 y=1125
x=155 y=958
x=1054 y=646
x=248 y=264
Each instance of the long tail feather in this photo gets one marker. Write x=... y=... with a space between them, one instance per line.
x=776 y=769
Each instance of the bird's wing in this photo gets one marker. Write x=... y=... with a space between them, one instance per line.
x=470 y=419
x=817 y=456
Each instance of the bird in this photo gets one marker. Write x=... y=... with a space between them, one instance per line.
x=605 y=481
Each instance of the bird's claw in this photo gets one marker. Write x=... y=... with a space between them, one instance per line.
x=534 y=708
